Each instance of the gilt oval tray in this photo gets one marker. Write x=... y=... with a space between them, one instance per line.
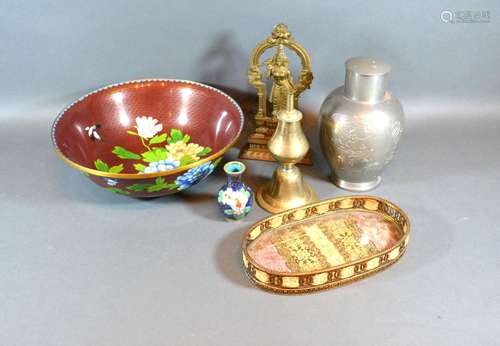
x=325 y=244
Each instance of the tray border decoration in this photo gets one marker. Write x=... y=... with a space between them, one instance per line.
x=286 y=283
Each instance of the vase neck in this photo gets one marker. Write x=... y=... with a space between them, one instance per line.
x=234 y=172
x=233 y=178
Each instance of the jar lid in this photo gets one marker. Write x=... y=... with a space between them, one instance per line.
x=365 y=79
x=367 y=66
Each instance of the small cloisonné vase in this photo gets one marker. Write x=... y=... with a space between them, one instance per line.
x=235 y=199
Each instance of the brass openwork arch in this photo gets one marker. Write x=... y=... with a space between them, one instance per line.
x=282 y=84
x=279 y=37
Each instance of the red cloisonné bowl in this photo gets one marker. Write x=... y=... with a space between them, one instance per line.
x=148 y=138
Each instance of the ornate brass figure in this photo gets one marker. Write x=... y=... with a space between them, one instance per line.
x=287 y=189
x=277 y=70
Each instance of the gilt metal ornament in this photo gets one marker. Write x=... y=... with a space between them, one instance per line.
x=288 y=145
x=278 y=72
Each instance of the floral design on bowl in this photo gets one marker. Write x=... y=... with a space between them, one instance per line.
x=155 y=137
x=159 y=157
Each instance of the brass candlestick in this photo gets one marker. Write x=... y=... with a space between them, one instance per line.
x=272 y=101
x=287 y=189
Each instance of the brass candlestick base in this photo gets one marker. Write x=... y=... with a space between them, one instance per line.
x=286 y=190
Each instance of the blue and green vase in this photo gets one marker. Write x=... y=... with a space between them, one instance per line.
x=235 y=199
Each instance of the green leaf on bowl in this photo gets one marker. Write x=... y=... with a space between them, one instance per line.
x=186 y=138
x=172 y=186
x=100 y=165
x=216 y=162
x=156 y=188
x=138 y=187
x=204 y=151
x=186 y=160
x=175 y=136
x=154 y=155
x=158 y=139
x=139 y=167
x=159 y=180
x=117 y=190
x=160 y=184
x=116 y=169
x=123 y=153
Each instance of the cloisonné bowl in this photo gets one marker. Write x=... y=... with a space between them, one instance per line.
x=148 y=138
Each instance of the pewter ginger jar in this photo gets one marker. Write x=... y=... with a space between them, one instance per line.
x=361 y=124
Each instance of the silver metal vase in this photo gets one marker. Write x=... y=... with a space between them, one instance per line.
x=361 y=124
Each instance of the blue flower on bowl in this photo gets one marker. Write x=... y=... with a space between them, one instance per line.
x=110 y=182
x=194 y=175
x=162 y=166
